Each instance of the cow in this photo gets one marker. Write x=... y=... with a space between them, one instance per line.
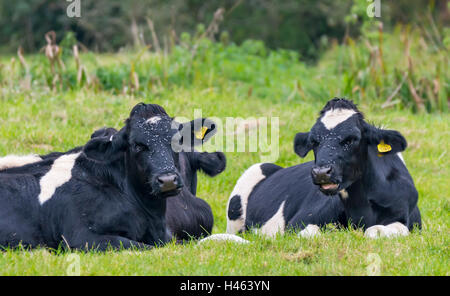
x=358 y=178
x=111 y=193
x=187 y=216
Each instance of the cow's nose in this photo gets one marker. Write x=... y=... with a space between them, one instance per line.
x=321 y=174
x=168 y=182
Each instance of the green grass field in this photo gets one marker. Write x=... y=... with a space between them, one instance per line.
x=37 y=119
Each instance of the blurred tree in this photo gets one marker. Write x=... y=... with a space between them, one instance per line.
x=108 y=25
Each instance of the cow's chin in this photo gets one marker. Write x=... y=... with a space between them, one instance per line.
x=169 y=193
x=330 y=188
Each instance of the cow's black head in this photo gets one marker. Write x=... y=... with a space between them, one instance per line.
x=341 y=140
x=146 y=141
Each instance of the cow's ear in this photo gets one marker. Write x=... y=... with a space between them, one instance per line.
x=104 y=132
x=211 y=163
x=386 y=141
x=106 y=148
x=197 y=131
x=302 y=144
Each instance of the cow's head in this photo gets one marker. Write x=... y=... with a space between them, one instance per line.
x=146 y=141
x=341 y=141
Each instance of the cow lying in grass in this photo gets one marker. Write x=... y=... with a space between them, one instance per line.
x=358 y=176
x=112 y=192
x=187 y=216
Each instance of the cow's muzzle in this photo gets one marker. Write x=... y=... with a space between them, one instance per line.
x=169 y=184
x=322 y=176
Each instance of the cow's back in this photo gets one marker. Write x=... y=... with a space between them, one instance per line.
x=289 y=199
x=19 y=210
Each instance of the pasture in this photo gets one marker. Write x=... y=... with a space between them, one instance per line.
x=39 y=115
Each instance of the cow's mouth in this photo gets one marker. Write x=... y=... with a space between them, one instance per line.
x=329 y=188
x=170 y=193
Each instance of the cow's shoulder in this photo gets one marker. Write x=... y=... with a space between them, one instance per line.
x=252 y=177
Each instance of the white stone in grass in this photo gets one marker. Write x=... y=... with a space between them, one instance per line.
x=225 y=237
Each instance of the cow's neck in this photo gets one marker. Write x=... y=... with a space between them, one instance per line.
x=357 y=200
x=153 y=207
x=119 y=173
x=139 y=190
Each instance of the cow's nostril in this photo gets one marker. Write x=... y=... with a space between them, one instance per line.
x=168 y=182
x=322 y=174
x=167 y=178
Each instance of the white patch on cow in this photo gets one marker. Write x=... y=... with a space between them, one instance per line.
x=343 y=193
x=244 y=186
x=59 y=173
x=13 y=161
x=234 y=226
x=310 y=230
x=276 y=224
x=391 y=230
x=153 y=120
x=225 y=237
x=333 y=117
x=399 y=154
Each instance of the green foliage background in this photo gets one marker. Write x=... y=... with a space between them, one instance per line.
x=306 y=26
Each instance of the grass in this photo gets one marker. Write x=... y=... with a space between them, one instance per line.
x=39 y=119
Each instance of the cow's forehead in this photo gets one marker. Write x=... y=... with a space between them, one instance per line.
x=341 y=128
x=155 y=123
x=155 y=128
x=333 y=117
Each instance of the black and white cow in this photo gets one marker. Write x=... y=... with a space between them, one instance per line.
x=358 y=177
x=111 y=193
x=187 y=216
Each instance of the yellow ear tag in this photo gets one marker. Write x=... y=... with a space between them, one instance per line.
x=383 y=147
x=201 y=133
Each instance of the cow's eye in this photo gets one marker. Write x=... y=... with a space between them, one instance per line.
x=314 y=142
x=138 y=147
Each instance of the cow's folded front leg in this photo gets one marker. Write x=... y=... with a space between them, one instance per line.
x=311 y=230
x=391 y=230
x=104 y=242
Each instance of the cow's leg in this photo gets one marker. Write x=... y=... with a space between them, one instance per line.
x=310 y=230
x=276 y=224
x=13 y=238
x=103 y=242
x=415 y=219
x=391 y=230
